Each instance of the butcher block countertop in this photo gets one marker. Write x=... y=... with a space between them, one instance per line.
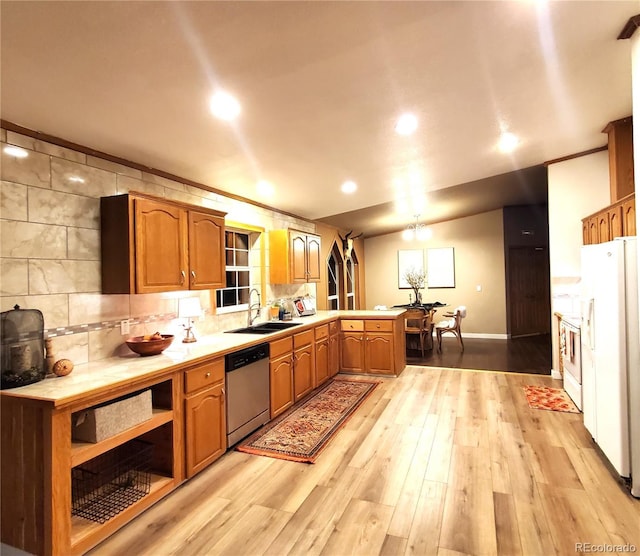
x=99 y=376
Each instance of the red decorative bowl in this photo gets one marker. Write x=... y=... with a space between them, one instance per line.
x=149 y=347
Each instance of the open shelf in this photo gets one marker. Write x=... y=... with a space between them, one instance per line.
x=84 y=531
x=84 y=451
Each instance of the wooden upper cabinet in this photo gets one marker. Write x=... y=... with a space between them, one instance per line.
x=616 y=220
x=298 y=257
x=294 y=257
x=206 y=251
x=313 y=258
x=629 y=216
x=160 y=247
x=603 y=227
x=620 y=146
x=154 y=245
x=614 y=215
x=593 y=229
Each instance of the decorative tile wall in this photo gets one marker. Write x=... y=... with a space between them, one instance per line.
x=50 y=248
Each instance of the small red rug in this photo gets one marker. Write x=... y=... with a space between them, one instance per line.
x=301 y=433
x=554 y=399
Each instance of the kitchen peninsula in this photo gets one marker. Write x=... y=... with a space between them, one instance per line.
x=39 y=454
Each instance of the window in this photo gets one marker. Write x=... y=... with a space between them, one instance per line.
x=351 y=285
x=235 y=296
x=333 y=281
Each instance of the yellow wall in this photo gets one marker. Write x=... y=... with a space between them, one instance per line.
x=479 y=260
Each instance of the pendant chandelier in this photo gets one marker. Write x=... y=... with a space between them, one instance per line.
x=417 y=231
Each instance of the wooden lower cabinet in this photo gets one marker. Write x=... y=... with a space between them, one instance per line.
x=378 y=352
x=281 y=375
x=303 y=364
x=372 y=346
x=205 y=415
x=334 y=348
x=322 y=354
x=39 y=459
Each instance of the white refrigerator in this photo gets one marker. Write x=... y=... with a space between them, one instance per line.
x=611 y=353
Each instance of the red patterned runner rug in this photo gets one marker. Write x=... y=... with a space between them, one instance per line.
x=555 y=399
x=301 y=433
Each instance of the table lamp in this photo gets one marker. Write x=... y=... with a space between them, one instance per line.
x=188 y=308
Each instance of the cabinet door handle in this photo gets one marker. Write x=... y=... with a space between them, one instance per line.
x=193 y=275
x=223 y=392
x=207 y=375
x=183 y=275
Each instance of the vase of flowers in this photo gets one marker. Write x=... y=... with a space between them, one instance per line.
x=416 y=277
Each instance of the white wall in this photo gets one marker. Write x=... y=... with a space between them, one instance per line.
x=577 y=188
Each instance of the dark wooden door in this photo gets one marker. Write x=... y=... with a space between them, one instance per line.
x=528 y=301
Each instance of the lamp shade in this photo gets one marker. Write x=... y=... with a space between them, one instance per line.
x=189 y=307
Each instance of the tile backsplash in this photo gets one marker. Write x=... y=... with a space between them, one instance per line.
x=50 y=248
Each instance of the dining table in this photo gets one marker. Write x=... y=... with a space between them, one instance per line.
x=435 y=305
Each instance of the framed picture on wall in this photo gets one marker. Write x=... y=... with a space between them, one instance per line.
x=441 y=272
x=408 y=259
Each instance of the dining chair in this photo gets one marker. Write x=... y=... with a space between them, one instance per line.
x=451 y=324
x=419 y=322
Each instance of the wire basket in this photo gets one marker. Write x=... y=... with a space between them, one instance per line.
x=106 y=485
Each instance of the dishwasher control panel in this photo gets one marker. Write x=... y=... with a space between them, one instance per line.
x=244 y=357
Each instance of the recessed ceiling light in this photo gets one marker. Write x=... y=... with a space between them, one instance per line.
x=224 y=106
x=406 y=124
x=507 y=142
x=16 y=151
x=76 y=179
x=265 y=188
x=349 y=186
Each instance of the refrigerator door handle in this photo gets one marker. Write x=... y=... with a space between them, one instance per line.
x=591 y=329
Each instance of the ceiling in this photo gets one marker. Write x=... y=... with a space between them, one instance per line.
x=321 y=85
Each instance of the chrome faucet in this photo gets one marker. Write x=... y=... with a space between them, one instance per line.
x=250 y=319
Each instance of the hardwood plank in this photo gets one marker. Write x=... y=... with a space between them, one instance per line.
x=461 y=462
x=361 y=529
x=325 y=516
x=393 y=546
x=438 y=467
x=507 y=534
x=424 y=536
x=406 y=505
x=570 y=520
x=468 y=523
x=533 y=527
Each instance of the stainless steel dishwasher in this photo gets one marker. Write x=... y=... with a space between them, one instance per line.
x=247 y=378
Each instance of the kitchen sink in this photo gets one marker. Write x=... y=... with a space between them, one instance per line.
x=278 y=325
x=264 y=328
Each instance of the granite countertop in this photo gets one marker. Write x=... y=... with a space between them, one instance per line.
x=99 y=376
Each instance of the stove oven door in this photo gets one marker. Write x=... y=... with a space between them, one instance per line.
x=571 y=362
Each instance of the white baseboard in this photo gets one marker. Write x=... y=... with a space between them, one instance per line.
x=556 y=374
x=486 y=336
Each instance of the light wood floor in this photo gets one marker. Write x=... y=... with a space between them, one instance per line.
x=437 y=461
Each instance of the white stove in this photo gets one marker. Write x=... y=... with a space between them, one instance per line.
x=571 y=351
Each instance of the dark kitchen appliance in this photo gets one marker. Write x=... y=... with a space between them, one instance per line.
x=22 y=339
